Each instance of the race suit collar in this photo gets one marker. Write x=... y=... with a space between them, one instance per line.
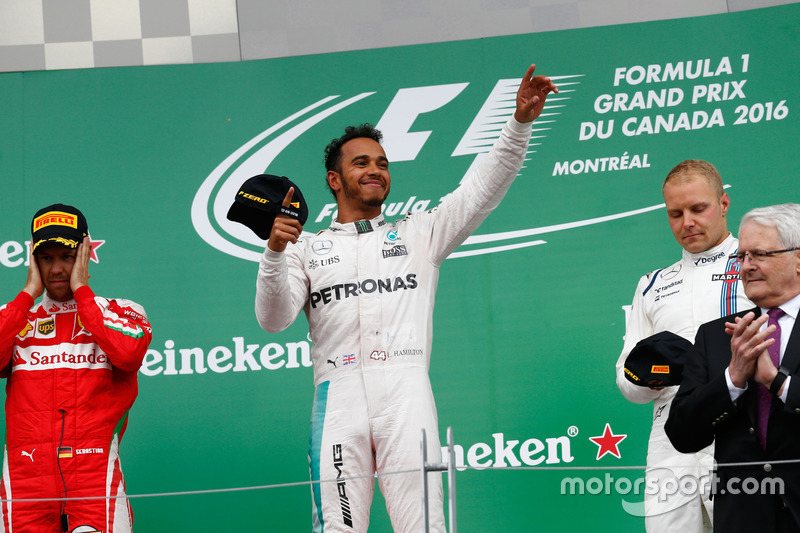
x=52 y=307
x=359 y=226
x=718 y=253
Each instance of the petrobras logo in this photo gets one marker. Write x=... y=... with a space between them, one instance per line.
x=392 y=246
x=402 y=142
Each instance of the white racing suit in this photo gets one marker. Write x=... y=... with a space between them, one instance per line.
x=698 y=288
x=368 y=289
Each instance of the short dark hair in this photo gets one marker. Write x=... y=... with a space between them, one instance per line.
x=687 y=170
x=333 y=152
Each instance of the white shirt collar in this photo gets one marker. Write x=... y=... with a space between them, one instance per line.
x=791 y=307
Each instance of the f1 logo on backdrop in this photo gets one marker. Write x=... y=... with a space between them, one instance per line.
x=213 y=198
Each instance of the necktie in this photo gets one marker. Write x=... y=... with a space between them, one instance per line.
x=764 y=396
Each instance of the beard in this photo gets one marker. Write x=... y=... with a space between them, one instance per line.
x=356 y=195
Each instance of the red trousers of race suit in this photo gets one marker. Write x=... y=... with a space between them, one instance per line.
x=90 y=472
x=71 y=377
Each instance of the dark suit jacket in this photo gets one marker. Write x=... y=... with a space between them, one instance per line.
x=702 y=412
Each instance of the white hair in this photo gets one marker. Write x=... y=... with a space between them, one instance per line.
x=783 y=217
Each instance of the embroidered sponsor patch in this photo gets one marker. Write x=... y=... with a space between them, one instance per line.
x=55 y=218
x=46 y=327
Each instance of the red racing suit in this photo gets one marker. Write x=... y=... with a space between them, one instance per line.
x=71 y=369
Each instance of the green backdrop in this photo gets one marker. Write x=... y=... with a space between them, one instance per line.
x=525 y=338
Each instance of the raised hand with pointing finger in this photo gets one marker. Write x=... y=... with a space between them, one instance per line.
x=273 y=207
x=285 y=229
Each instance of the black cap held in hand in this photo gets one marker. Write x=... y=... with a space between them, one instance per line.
x=260 y=198
x=658 y=358
x=58 y=224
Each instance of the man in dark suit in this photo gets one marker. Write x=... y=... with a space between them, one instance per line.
x=741 y=384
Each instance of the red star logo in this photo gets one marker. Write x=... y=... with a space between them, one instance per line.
x=607 y=443
x=95 y=245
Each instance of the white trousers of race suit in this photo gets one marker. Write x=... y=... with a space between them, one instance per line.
x=340 y=454
x=681 y=501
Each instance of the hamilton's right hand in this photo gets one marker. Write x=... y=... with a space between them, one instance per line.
x=285 y=229
x=33 y=285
